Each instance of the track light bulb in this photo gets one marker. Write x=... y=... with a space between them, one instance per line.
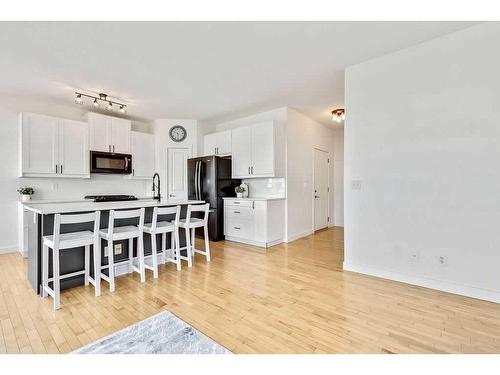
x=122 y=109
x=342 y=116
x=96 y=104
x=79 y=99
x=110 y=106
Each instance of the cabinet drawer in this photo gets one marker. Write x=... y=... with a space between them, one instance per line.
x=239 y=212
x=238 y=203
x=239 y=228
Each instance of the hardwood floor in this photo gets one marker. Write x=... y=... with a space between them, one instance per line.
x=294 y=298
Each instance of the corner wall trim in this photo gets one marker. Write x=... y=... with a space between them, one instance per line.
x=444 y=286
x=9 y=249
x=299 y=235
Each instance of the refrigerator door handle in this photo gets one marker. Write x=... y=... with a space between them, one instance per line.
x=199 y=178
x=196 y=176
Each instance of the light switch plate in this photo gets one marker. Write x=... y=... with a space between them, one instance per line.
x=356 y=184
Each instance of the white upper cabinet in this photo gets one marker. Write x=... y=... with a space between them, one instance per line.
x=223 y=142
x=143 y=155
x=73 y=148
x=53 y=147
x=258 y=150
x=209 y=144
x=120 y=135
x=39 y=144
x=241 y=151
x=217 y=143
x=109 y=134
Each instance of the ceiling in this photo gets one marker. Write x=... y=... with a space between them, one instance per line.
x=210 y=71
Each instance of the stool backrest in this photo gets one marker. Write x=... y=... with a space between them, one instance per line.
x=165 y=211
x=198 y=208
x=63 y=219
x=125 y=214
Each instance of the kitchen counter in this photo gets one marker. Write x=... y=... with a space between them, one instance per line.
x=58 y=207
x=38 y=221
x=255 y=198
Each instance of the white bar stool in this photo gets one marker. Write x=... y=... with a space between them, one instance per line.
x=58 y=242
x=118 y=233
x=190 y=224
x=164 y=227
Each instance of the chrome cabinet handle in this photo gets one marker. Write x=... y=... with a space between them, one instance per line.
x=133 y=172
x=113 y=148
x=60 y=169
x=248 y=170
x=109 y=148
x=237 y=212
x=251 y=169
x=56 y=168
x=236 y=202
x=237 y=228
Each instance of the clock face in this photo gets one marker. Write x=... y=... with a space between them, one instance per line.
x=178 y=133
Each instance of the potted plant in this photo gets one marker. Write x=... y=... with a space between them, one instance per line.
x=26 y=193
x=239 y=191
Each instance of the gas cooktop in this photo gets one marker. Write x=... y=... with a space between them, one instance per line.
x=111 y=198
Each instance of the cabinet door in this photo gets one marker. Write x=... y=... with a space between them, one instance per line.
x=263 y=150
x=120 y=135
x=209 y=144
x=99 y=133
x=143 y=154
x=223 y=142
x=39 y=144
x=73 y=148
x=241 y=150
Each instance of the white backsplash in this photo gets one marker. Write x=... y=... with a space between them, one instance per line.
x=266 y=187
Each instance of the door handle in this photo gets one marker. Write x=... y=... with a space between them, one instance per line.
x=316 y=196
x=171 y=195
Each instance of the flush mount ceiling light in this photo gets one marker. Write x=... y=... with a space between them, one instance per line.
x=338 y=114
x=101 y=98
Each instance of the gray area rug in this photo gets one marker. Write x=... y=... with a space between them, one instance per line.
x=163 y=333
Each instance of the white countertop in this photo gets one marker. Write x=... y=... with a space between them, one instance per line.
x=58 y=207
x=255 y=198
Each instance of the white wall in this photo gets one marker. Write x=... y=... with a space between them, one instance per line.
x=303 y=135
x=338 y=177
x=161 y=128
x=422 y=135
x=45 y=188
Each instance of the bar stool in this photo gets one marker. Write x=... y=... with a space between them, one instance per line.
x=118 y=233
x=164 y=227
x=62 y=241
x=190 y=224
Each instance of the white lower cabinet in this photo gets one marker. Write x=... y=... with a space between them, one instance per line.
x=255 y=222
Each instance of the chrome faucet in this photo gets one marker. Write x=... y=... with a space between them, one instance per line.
x=156 y=187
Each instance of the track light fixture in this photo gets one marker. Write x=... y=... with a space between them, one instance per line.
x=338 y=114
x=103 y=98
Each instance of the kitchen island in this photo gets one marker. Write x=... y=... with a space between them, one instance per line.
x=38 y=221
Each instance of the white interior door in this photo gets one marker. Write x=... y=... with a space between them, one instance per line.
x=177 y=172
x=321 y=200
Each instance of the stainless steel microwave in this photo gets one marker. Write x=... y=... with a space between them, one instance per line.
x=111 y=163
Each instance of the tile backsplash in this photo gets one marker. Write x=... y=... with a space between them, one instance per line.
x=266 y=187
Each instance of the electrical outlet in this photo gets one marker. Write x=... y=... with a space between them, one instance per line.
x=414 y=256
x=118 y=248
x=443 y=260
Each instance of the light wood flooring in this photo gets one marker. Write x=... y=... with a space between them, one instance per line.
x=292 y=298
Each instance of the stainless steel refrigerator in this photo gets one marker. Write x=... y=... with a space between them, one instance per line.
x=209 y=179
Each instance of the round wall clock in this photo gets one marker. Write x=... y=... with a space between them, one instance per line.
x=177 y=133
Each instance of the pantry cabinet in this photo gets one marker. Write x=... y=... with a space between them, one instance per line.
x=143 y=155
x=217 y=143
x=53 y=147
x=109 y=134
x=257 y=150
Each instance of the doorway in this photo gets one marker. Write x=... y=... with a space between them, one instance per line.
x=321 y=199
x=177 y=172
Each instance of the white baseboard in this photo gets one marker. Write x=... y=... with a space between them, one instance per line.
x=9 y=249
x=426 y=282
x=294 y=237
